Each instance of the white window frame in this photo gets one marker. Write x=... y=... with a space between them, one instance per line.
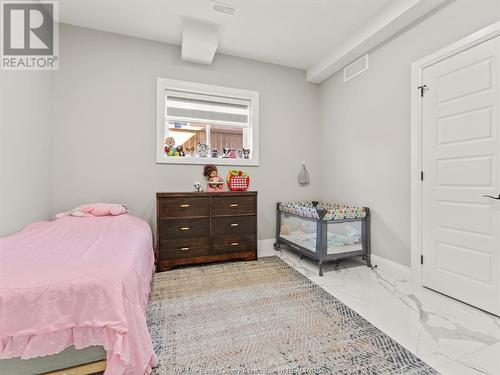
x=165 y=84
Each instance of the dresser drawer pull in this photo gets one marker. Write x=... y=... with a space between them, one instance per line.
x=233 y=205
x=235 y=243
x=184 y=228
x=184 y=205
x=235 y=225
x=184 y=248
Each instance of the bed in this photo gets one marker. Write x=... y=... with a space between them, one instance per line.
x=81 y=282
x=324 y=231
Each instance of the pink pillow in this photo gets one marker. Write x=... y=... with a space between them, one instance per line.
x=118 y=209
x=103 y=209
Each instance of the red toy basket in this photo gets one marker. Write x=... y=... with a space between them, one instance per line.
x=238 y=180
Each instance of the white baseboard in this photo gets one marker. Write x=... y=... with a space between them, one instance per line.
x=383 y=263
x=265 y=248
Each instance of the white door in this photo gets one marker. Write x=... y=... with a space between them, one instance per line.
x=460 y=158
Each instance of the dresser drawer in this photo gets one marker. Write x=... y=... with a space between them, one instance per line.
x=234 y=205
x=228 y=243
x=184 y=228
x=183 y=207
x=184 y=248
x=184 y=252
x=233 y=225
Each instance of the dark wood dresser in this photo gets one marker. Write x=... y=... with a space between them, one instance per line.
x=197 y=228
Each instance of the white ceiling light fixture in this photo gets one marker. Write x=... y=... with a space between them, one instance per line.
x=199 y=41
x=223 y=8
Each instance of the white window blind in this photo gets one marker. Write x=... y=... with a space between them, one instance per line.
x=210 y=109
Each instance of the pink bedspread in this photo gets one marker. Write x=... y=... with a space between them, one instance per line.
x=78 y=281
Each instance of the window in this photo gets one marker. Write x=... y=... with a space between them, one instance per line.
x=202 y=124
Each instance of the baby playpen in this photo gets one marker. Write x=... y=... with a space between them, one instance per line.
x=324 y=231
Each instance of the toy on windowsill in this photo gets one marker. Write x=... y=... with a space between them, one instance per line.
x=246 y=153
x=232 y=154
x=170 y=147
x=203 y=150
x=238 y=180
x=179 y=151
x=214 y=182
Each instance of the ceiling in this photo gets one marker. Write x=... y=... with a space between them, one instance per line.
x=294 y=33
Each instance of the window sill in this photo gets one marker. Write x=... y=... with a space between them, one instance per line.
x=203 y=161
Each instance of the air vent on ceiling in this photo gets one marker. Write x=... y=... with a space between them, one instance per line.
x=226 y=9
x=356 y=67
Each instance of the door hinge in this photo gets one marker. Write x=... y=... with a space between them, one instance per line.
x=421 y=259
x=421 y=175
x=422 y=88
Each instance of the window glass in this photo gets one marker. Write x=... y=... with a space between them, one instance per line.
x=209 y=126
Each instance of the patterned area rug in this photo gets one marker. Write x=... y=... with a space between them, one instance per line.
x=263 y=317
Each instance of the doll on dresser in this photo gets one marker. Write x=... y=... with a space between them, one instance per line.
x=214 y=182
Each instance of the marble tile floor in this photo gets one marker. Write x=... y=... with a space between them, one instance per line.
x=452 y=337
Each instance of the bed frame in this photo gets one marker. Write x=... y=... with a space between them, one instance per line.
x=87 y=369
x=321 y=255
x=70 y=361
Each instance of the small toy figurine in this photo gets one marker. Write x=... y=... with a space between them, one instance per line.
x=215 y=153
x=170 y=146
x=189 y=151
x=246 y=153
x=214 y=182
x=202 y=150
x=198 y=187
x=180 y=151
x=231 y=154
x=225 y=152
x=239 y=152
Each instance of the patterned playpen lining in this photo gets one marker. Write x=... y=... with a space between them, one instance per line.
x=322 y=210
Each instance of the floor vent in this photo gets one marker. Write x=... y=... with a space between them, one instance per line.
x=356 y=67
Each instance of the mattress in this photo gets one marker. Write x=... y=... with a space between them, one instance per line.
x=78 y=281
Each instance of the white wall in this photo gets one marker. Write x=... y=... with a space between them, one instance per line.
x=365 y=124
x=355 y=134
x=104 y=131
x=25 y=133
